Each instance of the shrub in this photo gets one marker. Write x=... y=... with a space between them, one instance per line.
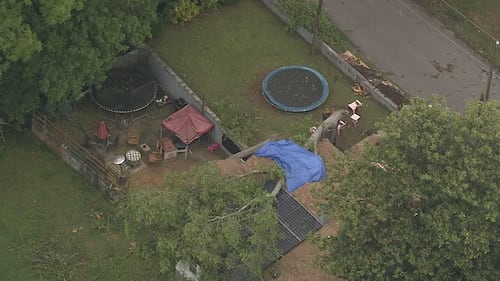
x=302 y=13
x=237 y=122
x=184 y=11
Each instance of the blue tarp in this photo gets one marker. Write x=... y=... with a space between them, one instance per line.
x=300 y=165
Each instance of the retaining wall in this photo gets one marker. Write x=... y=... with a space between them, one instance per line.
x=176 y=88
x=336 y=59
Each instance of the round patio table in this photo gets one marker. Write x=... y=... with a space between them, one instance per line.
x=133 y=157
x=119 y=159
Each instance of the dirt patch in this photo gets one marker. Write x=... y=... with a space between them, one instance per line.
x=386 y=87
x=154 y=174
x=147 y=124
x=239 y=167
x=307 y=195
x=393 y=93
x=298 y=264
x=255 y=91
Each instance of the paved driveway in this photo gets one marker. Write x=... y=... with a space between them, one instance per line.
x=414 y=50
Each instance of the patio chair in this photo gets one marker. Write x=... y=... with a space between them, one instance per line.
x=182 y=148
x=354 y=106
x=154 y=157
x=133 y=137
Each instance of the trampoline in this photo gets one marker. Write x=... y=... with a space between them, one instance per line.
x=295 y=88
x=127 y=89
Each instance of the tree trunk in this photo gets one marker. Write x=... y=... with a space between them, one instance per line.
x=314 y=43
x=251 y=150
x=330 y=122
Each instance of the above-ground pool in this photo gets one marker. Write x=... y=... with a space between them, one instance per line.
x=295 y=88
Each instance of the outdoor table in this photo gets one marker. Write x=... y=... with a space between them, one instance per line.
x=119 y=159
x=354 y=106
x=355 y=118
x=133 y=157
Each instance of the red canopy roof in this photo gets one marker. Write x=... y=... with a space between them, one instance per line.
x=187 y=124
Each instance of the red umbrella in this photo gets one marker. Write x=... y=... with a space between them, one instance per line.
x=102 y=132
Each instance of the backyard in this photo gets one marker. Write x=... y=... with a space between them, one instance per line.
x=225 y=56
x=57 y=227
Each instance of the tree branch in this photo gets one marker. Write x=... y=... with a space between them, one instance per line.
x=238 y=212
x=251 y=150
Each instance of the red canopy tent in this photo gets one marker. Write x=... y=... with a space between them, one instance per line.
x=187 y=124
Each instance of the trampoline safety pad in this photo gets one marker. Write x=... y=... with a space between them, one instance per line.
x=295 y=88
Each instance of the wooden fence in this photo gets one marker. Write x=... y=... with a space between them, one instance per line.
x=77 y=156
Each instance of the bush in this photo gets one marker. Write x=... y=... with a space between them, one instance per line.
x=237 y=122
x=184 y=11
x=208 y=4
x=303 y=13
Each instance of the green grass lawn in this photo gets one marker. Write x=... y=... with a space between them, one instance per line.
x=225 y=55
x=48 y=226
x=484 y=13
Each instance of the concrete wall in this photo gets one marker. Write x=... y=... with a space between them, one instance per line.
x=335 y=58
x=176 y=88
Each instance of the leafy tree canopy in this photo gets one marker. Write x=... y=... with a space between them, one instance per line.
x=51 y=50
x=217 y=222
x=423 y=204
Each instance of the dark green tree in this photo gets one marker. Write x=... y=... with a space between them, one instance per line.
x=424 y=203
x=217 y=222
x=50 y=51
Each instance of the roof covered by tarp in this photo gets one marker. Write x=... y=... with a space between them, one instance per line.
x=300 y=165
x=187 y=124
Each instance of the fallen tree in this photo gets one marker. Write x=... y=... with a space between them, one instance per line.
x=251 y=150
x=329 y=123
x=310 y=144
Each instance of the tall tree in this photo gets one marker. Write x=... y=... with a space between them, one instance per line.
x=423 y=204
x=51 y=50
x=207 y=219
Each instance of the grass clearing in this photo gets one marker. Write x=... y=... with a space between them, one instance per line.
x=482 y=12
x=225 y=55
x=48 y=224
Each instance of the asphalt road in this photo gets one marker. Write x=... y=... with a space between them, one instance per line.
x=414 y=50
